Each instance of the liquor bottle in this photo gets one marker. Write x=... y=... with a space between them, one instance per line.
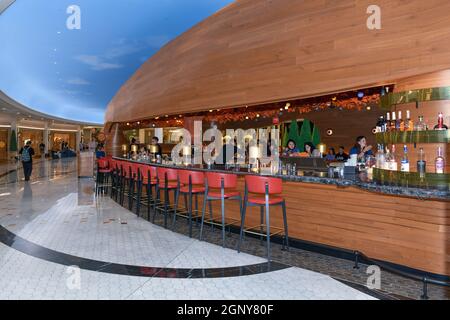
x=421 y=125
x=404 y=167
x=409 y=125
x=381 y=159
x=400 y=124
x=440 y=162
x=387 y=125
x=440 y=125
x=393 y=163
x=421 y=164
x=380 y=124
x=394 y=121
x=387 y=159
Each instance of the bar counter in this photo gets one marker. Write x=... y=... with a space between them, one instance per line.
x=392 y=223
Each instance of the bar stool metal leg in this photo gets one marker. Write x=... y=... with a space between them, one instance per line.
x=158 y=197
x=222 y=191
x=190 y=214
x=205 y=199
x=261 y=226
x=139 y=193
x=268 y=222
x=243 y=213
x=286 y=235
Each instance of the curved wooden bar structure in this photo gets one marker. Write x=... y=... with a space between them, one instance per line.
x=259 y=51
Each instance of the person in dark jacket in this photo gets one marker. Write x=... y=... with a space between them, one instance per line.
x=26 y=154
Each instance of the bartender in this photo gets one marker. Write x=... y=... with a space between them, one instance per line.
x=155 y=142
x=361 y=148
x=291 y=149
x=311 y=150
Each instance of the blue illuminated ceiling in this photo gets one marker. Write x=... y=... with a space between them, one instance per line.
x=74 y=73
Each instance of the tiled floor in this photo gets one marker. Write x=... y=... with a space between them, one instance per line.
x=57 y=211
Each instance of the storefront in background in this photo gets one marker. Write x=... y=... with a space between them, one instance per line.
x=35 y=135
x=58 y=137
x=3 y=144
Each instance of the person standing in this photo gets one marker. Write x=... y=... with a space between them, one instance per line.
x=155 y=142
x=361 y=149
x=26 y=154
x=341 y=155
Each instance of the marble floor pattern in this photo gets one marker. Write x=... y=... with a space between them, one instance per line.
x=58 y=211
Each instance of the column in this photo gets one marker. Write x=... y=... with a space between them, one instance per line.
x=46 y=138
x=142 y=136
x=11 y=155
x=78 y=140
x=159 y=133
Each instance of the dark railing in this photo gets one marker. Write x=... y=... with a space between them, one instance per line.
x=424 y=279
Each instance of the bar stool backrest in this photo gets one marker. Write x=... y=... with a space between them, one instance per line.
x=215 y=180
x=135 y=170
x=103 y=163
x=126 y=169
x=172 y=174
x=147 y=171
x=257 y=184
x=197 y=177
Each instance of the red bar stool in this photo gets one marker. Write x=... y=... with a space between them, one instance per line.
x=133 y=193
x=265 y=193
x=220 y=186
x=126 y=180
x=117 y=180
x=103 y=174
x=167 y=180
x=114 y=177
x=149 y=180
x=193 y=184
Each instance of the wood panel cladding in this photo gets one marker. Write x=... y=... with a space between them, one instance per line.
x=114 y=139
x=259 y=51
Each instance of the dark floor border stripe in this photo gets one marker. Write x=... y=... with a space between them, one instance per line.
x=16 y=242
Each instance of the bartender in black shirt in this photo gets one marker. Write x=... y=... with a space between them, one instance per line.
x=341 y=155
x=155 y=142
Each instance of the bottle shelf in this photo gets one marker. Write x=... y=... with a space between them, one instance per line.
x=412 y=179
x=420 y=95
x=400 y=137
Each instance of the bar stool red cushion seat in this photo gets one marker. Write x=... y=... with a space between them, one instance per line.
x=145 y=180
x=194 y=189
x=170 y=184
x=227 y=194
x=262 y=200
x=105 y=170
